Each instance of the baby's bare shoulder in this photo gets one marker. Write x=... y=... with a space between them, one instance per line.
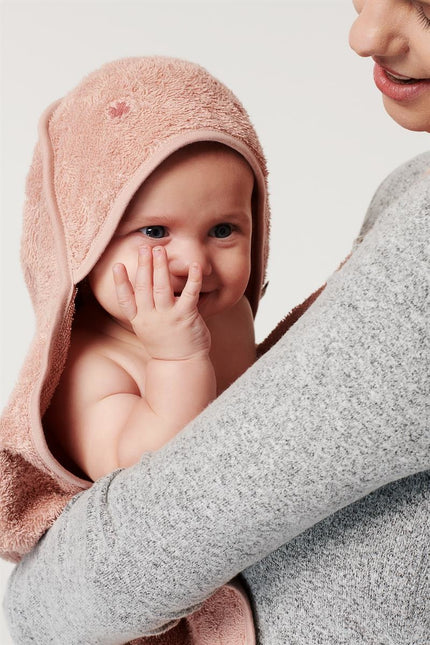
x=94 y=370
x=92 y=374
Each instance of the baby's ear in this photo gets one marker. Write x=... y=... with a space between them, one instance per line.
x=263 y=289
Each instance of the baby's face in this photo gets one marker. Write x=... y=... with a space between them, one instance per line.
x=198 y=205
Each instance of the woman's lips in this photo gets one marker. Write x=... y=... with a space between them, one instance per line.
x=399 y=90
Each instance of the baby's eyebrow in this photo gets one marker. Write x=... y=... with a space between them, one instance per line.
x=235 y=215
x=150 y=217
x=139 y=220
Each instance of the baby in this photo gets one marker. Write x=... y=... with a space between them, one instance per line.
x=144 y=250
x=165 y=325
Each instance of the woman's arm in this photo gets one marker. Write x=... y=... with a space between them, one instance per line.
x=359 y=576
x=337 y=408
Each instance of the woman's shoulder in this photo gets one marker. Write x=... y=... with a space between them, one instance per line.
x=408 y=173
x=404 y=193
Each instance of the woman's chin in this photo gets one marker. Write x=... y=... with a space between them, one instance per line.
x=411 y=117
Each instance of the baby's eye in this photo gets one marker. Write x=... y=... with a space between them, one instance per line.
x=221 y=230
x=154 y=231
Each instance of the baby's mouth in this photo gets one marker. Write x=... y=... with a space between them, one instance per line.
x=178 y=294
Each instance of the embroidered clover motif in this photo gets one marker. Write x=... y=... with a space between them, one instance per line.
x=119 y=108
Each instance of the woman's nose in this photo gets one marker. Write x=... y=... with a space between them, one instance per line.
x=379 y=29
x=183 y=254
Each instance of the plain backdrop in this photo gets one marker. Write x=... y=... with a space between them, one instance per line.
x=320 y=118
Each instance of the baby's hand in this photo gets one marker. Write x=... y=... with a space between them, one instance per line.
x=170 y=328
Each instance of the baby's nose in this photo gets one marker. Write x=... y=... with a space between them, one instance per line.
x=180 y=259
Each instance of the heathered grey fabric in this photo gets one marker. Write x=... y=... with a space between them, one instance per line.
x=359 y=577
x=335 y=410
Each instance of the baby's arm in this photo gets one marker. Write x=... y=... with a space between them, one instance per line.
x=113 y=423
x=179 y=377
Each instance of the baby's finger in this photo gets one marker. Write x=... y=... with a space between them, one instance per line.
x=190 y=294
x=162 y=289
x=143 y=280
x=124 y=291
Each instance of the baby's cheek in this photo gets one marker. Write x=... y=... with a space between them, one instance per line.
x=127 y=253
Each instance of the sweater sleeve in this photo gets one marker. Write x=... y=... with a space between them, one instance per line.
x=336 y=409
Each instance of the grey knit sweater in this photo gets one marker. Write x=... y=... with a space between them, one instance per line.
x=275 y=478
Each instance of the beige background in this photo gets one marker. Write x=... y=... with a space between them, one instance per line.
x=320 y=118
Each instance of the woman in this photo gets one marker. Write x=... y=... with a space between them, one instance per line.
x=335 y=410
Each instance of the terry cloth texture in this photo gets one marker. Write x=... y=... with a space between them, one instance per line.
x=292 y=452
